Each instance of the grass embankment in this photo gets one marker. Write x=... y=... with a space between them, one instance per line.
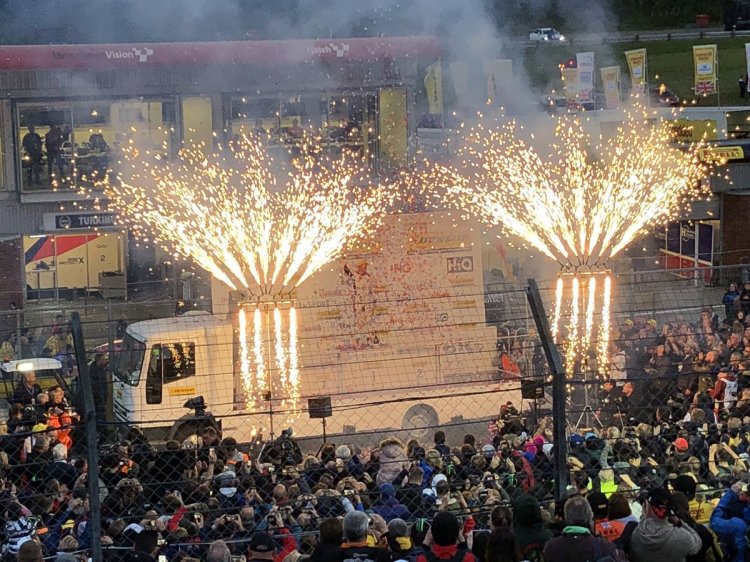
x=671 y=61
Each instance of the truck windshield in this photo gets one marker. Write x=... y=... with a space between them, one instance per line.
x=126 y=364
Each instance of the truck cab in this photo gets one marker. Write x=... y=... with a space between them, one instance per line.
x=163 y=363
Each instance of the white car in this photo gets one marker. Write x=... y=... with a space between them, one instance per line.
x=546 y=34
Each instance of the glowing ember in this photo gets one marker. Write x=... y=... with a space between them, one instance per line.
x=577 y=203
x=228 y=213
x=263 y=237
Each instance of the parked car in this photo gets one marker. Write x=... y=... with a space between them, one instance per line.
x=662 y=96
x=546 y=34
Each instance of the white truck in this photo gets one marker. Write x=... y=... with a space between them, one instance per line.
x=396 y=338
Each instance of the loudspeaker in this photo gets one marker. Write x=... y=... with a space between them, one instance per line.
x=319 y=407
x=532 y=389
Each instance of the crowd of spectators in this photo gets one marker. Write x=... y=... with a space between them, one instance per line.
x=660 y=469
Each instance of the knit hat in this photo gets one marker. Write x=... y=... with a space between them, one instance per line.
x=599 y=504
x=445 y=529
x=387 y=491
x=538 y=441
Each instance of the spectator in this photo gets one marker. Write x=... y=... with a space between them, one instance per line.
x=744 y=300
x=729 y=520
x=660 y=534
x=262 y=547
x=30 y=551
x=446 y=531
x=59 y=469
x=355 y=547
x=529 y=527
x=388 y=507
x=699 y=509
x=27 y=389
x=577 y=542
x=392 y=460
x=32 y=146
x=410 y=494
x=610 y=530
x=710 y=545
x=399 y=541
x=99 y=385
x=440 y=445
x=502 y=545
x=328 y=548
x=218 y=551
x=19 y=528
x=730 y=300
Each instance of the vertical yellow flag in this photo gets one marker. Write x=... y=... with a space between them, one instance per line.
x=499 y=81
x=611 y=83
x=705 y=63
x=570 y=84
x=433 y=83
x=637 y=64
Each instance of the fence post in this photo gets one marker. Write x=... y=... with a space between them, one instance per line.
x=92 y=452
x=560 y=448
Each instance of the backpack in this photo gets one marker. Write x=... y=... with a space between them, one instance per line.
x=597 y=544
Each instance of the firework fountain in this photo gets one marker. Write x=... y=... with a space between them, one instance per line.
x=580 y=204
x=260 y=226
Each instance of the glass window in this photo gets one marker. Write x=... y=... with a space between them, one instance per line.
x=69 y=144
x=175 y=361
x=126 y=363
x=342 y=121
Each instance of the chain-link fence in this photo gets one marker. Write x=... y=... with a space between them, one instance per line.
x=450 y=405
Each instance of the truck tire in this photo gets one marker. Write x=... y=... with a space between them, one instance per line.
x=420 y=420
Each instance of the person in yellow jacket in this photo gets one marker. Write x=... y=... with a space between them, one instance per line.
x=700 y=508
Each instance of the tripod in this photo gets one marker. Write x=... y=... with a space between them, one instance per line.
x=588 y=410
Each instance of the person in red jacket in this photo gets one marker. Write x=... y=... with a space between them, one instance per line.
x=445 y=532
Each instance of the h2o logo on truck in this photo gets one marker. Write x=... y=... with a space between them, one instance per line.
x=460 y=264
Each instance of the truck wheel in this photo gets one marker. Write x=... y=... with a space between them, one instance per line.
x=419 y=420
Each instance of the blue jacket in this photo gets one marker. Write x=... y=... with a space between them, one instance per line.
x=428 y=472
x=729 y=522
x=390 y=509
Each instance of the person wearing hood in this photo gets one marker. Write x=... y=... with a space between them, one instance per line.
x=392 y=460
x=528 y=526
x=577 y=542
x=661 y=535
x=227 y=484
x=389 y=507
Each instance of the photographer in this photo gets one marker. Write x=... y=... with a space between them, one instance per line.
x=660 y=534
x=280 y=528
